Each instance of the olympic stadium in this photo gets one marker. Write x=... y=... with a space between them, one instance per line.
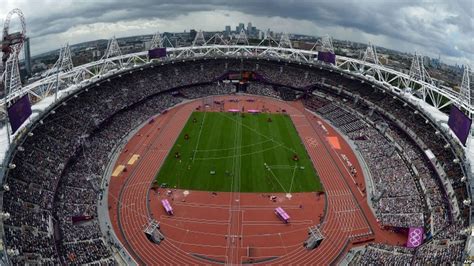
x=226 y=152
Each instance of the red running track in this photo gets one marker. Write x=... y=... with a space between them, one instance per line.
x=216 y=227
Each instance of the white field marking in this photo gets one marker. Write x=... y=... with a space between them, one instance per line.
x=242 y=229
x=194 y=244
x=184 y=237
x=202 y=205
x=274 y=176
x=123 y=206
x=269 y=223
x=165 y=223
x=226 y=207
x=347 y=211
x=278 y=222
x=293 y=178
x=233 y=148
x=175 y=242
x=193 y=220
x=303 y=125
x=283 y=243
x=258 y=133
x=304 y=228
x=199 y=136
x=353 y=229
x=231 y=200
x=280 y=166
x=241 y=155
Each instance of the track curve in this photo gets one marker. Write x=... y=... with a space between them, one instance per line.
x=346 y=218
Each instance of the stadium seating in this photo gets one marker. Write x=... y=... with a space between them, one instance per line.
x=60 y=169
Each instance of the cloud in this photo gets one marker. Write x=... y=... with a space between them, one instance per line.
x=433 y=27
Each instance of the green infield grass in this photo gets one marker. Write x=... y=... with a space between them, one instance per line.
x=231 y=152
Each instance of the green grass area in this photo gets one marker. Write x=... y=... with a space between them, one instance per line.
x=231 y=152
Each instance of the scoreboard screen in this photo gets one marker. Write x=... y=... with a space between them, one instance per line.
x=460 y=124
x=327 y=57
x=19 y=112
x=157 y=53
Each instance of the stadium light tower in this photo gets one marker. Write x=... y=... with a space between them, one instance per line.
x=113 y=50
x=156 y=41
x=370 y=55
x=418 y=73
x=63 y=64
x=466 y=94
x=324 y=44
x=417 y=69
x=285 y=41
x=242 y=39
x=268 y=40
x=199 y=40
x=216 y=39
x=166 y=41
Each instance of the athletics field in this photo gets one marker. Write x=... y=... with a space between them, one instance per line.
x=240 y=153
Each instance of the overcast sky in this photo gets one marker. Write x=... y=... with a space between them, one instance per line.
x=440 y=27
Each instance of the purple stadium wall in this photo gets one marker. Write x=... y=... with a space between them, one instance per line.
x=19 y=112
x=460 y=124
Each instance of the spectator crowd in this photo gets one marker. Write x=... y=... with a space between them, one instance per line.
x=408 y=192
x=60 y=166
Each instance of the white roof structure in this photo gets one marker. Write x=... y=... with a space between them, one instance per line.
x=113 y=62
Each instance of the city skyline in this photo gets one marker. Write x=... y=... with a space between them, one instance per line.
x=434 y=28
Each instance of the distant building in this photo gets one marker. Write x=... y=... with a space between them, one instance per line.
x=383 y=59
x=39 y=67
x=147 y=45
x=426 y=61
x=249 y=29
x=436 y=62
x=241 y=27
x=96 y=54
x=227 y=31
x=302 y=45
x=268 y=34
x=27 y=57
x=254 y=31
x=192 y=34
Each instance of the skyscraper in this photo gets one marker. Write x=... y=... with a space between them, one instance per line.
x=27 y=56
x=249 y=29
x=192 y=34
x=241 y=27
x=227 y=31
